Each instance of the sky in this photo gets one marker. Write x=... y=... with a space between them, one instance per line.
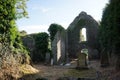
x=42 y=13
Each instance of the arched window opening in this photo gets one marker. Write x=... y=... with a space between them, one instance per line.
x=83 y=35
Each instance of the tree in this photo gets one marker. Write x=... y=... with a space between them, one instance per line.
x=23 y=33
x=53 y=30
x=110 y=30
x=41 y=46
x=104 y=37
x=10 y=42
x=10 y=10
x=21 y=8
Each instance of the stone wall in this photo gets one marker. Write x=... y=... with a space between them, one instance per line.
x=83 y=20
x=68 y=43
x=59 y=47
x=29 y=43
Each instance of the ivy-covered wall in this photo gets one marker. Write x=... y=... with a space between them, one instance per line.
x=37 y=44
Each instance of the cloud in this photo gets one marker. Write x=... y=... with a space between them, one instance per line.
x=41 y=9
x=34 y=28
x=44 y=10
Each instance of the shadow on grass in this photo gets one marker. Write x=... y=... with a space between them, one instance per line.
x=72 y=74
x=82 y=73
x=35 y=76
x=50 y=74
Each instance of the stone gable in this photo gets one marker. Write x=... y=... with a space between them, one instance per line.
x=69 y=43
x=83 y=20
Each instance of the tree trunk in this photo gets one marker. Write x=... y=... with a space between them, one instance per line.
x=118 y=63
x=104 y=59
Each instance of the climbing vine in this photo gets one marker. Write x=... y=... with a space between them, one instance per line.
x=53 y=30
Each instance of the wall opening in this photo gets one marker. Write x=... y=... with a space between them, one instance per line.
x=83 y=35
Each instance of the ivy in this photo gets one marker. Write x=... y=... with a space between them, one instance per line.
x=9 y=12
x=41 y=46
x=53 y=29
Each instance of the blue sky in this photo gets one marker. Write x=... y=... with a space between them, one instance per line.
x=42 y=13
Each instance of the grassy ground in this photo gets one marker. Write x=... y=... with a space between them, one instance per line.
x=90 y=73
x=55 y=72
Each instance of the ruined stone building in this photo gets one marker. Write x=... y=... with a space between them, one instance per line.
x=59 y=47
x=81 y=33
x=29 y=43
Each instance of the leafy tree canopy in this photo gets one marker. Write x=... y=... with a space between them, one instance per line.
x=41 y=44
x=53 y=30
x=23 y=33
x=110 y=26
x=10 y=10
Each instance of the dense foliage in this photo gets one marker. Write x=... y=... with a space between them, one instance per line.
x=21 y=8
x=41 y=46
x=53 y=30
x=10 y=42
x=23 y=33
x=10 y=10
x=110 y=29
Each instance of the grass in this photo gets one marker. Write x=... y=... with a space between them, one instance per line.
x=53 y=73
x=27 y=69
x=88 y=73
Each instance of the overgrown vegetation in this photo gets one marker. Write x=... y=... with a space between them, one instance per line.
x=110 y=32
x=53 y=29
x=23 y=33
x=9 y=11
x=37 y=44
x=41 y=46
x=10 y=42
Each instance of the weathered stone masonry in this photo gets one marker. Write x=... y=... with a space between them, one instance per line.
x=74 y=43
x=59 y=47
x=68 y=44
